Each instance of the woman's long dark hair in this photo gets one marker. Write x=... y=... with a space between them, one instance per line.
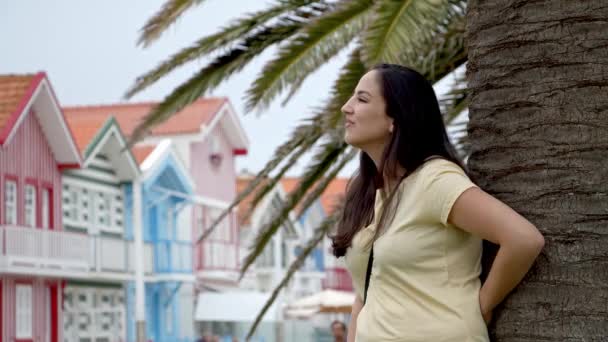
x=418 y=134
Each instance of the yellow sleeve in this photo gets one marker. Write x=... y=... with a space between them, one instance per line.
x=443 y=183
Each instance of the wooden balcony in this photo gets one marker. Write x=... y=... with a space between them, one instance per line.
x=173 y=256
x=32 y=251
x=216 y=259
x=113 y=258
x=337 y=279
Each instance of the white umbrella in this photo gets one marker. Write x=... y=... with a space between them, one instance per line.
x=300 y=313
x=326 y=301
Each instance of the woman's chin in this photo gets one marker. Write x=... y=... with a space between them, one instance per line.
x=349 y=140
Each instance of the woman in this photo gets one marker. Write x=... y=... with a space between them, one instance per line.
x=423 y=219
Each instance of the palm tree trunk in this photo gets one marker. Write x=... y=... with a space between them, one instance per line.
x=538 y=77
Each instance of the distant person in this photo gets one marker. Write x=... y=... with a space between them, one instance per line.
x=338 y=330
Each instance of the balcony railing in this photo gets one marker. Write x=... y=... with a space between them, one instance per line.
x=218 y=252
x=337 y=279
x=26 y=247
x=216 y=256
x=116 y=255
x=173 y=256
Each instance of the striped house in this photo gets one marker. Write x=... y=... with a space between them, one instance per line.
x=36 y=253
x=97 y=202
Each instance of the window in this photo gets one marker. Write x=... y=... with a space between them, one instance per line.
x=74 y=212
x=84 y=206
x=10 y=202
x=117 y=212
x=30 y=205
x=46 y=208
x=169 y=318
x=102 y=206
x=92 y=208
x=23 y=311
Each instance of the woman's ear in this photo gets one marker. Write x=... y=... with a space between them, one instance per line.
x=390 y=128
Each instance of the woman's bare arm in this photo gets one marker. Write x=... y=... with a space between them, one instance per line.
x=520 y=242
x=352 y=327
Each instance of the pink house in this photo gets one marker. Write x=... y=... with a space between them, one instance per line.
x=35 y=254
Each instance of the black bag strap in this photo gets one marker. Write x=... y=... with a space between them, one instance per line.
x=368 y=273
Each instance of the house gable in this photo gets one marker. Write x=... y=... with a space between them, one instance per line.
x=39 y=99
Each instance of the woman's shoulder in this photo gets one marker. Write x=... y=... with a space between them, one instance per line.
x=436 y=165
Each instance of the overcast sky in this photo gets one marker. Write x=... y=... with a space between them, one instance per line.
x=88 y=49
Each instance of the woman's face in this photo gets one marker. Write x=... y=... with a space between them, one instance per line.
x=367 y=125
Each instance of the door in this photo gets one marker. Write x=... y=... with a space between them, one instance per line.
x=52 y=309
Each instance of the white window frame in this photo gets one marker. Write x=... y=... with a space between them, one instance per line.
x=29 y=205
x=45 y=210
x=10 y=202
x=23 y=311
x=74 y=204
x=102 y=198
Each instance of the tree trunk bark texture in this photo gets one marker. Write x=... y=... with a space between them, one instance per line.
x=538 y=79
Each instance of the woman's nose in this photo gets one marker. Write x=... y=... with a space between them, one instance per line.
x=346 y=108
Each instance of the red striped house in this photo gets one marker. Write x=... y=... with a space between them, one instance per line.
x=35 y=254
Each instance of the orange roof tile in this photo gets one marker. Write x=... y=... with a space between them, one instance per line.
x=334 y=192
x=142 y=152
x=128 y=115
x=241 y=184
x=84 y=129
x=13 y=89
x=289 y=184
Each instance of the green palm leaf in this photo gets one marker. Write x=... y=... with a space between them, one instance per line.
x=328 y=223
x=318 y=190
x=327 y=155
x=167 y=15
x=300 y=137
x=403 y=27
x=227 y=37
x=271 y=183
x=315 y=45
x=444 y=53
x=212 y=75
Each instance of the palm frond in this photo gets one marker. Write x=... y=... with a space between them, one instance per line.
x=314 y=46
x=403 y=27
x=322 y=121
x=318 y=190
x=272 y=182
x=168 y=14
x=226 y=38
x=212 y=75
x=444 y=53
x=326 y=156
x=318 y=235
x=454 y=101
x=299 y=137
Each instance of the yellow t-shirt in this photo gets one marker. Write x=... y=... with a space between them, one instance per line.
x=424 y=283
